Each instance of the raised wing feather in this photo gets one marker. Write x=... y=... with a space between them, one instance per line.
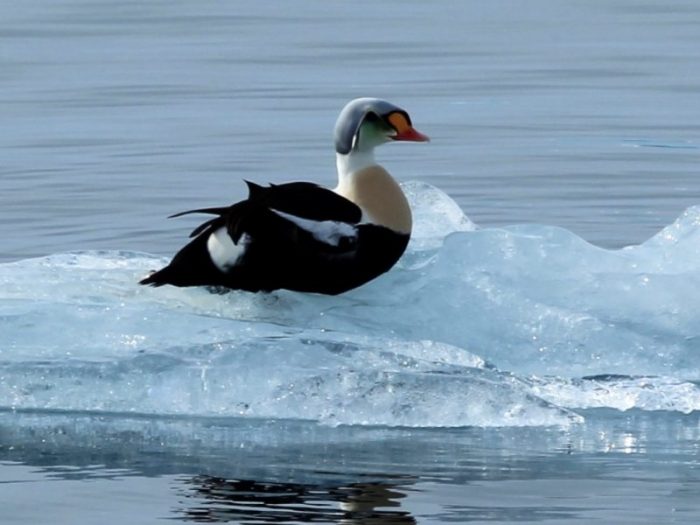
x=267 y=206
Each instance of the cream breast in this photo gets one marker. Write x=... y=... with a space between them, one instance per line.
x=379 y=196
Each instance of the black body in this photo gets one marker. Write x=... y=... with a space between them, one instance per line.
x=281 y=254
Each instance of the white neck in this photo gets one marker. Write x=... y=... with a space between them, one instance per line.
x=352 y=163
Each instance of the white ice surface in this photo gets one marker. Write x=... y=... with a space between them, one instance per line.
x=486 y=327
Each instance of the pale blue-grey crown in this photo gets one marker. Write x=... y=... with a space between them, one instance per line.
x=353 y=115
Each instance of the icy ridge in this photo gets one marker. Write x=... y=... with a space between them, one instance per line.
x=484 y=327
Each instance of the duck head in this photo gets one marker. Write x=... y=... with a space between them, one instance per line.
x=365 y=123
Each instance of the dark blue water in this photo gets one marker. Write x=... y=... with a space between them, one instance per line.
x=522 y=375
x=117 y=114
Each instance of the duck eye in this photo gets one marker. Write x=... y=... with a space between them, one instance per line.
x=376 y=122
x=372 y=117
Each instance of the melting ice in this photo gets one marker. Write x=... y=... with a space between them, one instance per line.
x=487 y=327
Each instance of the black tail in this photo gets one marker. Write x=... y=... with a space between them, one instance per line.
x=191 y=266
x=158 y=278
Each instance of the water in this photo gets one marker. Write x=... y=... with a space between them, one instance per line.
x=616 y=469
x=526 y=370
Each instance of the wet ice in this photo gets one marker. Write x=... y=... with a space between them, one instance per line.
x=483 y=327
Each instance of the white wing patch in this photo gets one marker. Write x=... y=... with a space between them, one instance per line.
x=223 y=251
x=328 y=232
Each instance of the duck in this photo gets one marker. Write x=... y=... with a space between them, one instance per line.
x=304 y=237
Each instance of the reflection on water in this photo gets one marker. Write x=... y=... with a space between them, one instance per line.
x=272 y=471
x=220 y=500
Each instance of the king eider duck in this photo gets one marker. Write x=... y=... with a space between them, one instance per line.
x=304 y=237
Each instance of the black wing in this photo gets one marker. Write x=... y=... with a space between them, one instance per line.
x=301 y=199
x=306 y=200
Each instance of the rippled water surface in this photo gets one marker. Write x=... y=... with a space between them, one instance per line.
x=632 y=469
x=516 y=366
